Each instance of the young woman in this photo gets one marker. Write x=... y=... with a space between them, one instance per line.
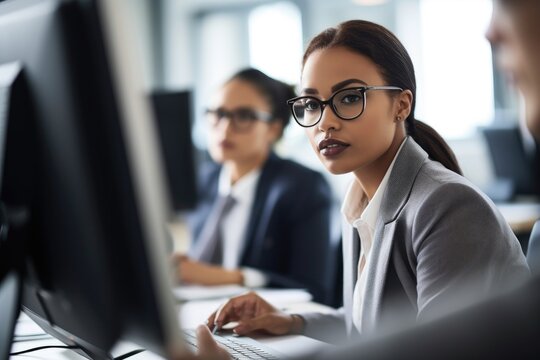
x=420 y=239
x=278 y=232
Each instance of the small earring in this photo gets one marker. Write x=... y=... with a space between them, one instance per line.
x=398 y=119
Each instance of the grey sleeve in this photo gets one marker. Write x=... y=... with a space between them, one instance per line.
x=328 y=327
x=464 y=250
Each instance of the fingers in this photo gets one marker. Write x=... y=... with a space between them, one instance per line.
x=177 y=261
x=208 y=348
x=247 y=326
x=235 y=309
x=178 y=257
x=222 y=313
x=211 y=320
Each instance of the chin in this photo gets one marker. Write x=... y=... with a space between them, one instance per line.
x=533 y=118
x=533 y=123
x=217 y=156
x=336 y=170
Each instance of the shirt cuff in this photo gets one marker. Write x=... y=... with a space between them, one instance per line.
x=253 y=278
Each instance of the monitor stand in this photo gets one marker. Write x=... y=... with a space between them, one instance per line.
x=10 y=297
x=11 y=254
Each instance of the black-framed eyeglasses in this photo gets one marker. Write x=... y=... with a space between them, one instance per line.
x=241 y=118
x=347 y=104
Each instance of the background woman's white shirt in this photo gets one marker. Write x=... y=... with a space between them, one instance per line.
x=235 y=223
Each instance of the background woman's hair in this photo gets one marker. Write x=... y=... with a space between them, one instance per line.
x=396 y=67
x=276 y=92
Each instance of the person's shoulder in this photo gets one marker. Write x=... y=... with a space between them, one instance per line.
x=442 y=187
x=293 y=176
x=207 y=171
x=433 y=175
x=300 y=185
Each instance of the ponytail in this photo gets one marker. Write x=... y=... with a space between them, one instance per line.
x=433 y=144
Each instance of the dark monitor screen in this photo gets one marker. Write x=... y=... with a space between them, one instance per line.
x=511 y=162
x=173 y=115
x=83 y=195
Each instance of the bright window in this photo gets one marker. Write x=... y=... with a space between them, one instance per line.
x=275 y=40
x=455 y=94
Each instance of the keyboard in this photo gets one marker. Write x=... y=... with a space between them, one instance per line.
x=237 y=347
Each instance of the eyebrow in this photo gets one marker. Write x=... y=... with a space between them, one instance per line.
x=336 y=87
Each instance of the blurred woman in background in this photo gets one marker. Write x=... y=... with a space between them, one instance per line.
x=262 y=221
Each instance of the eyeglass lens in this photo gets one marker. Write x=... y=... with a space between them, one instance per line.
x=240 y=118
x=347 y=103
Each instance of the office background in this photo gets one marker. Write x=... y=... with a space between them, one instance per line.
x=196 y=44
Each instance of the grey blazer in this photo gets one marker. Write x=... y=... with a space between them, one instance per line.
x=438 y=243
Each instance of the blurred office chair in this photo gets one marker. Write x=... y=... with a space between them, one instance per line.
x=533 y=252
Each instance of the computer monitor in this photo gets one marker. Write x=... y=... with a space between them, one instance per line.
x=83 y=200
x=173 y=115
x=512 y=164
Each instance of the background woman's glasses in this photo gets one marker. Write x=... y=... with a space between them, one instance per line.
x=241 y=119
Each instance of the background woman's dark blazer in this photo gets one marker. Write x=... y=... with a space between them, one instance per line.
x=289 y=235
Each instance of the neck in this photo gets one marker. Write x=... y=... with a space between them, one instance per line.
x=239 y=169
x=370 y=176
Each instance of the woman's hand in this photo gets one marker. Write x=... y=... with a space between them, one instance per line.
x=208 y=348
x=253 y=313
x=195 y=272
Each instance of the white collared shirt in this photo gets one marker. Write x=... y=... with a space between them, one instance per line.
x=234 y=224
x=362 y=214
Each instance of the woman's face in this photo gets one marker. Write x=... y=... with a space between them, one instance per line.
x=351 y=145
x=249 y=146
x=514 y=32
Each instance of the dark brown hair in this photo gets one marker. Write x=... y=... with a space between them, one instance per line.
x=274 y=91
x=396 y=67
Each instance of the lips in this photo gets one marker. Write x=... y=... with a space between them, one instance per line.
x=226 y=144
x=332 y=147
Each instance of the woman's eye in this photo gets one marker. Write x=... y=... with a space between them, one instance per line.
x=350 y=99
x=311 y=105
x=245 y=115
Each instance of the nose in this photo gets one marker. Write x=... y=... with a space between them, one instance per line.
x=492 y=32
x=224 y=124
x=329 y=120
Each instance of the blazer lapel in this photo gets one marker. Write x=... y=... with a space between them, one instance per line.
x=400 y=183
x=259 y=216
x=208 y=180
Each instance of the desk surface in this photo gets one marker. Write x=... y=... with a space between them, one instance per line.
x=520 y=216
x=191 y=314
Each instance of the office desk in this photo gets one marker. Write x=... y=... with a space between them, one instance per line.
x=520 y=216
x=191 y=314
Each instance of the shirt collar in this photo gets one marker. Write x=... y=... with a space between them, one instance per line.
x=356 y=204
x=243 y=189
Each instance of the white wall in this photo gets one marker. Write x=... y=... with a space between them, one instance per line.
x=183 y=69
